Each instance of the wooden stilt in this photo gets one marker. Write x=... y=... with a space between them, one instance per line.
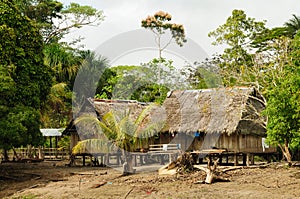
x=248 y=159
x=252 y=159
x=244 y=159
x=235 y=160
x=83 y=160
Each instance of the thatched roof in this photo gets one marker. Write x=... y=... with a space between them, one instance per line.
x=222 y=110
x=132 y=107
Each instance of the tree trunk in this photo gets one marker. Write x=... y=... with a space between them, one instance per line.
x=211 y=171
x=5 y=154
x=29 y=151
x=41 y=155
x=16 y=155
x=286 y=152
x=128 y=163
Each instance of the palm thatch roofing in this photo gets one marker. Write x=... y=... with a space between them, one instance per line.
x=220 y=110
x=133 y=108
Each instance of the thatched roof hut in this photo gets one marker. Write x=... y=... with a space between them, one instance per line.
x=227 y=118
x=221 y=110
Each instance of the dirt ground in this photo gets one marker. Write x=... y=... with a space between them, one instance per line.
x=55 y=180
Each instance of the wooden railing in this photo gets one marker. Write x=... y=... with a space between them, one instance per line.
x=47 y=153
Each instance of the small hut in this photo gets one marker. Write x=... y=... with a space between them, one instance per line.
x=52 y=133
x=221 y=118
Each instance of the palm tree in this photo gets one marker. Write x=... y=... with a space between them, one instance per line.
x=292 y=26
x=117 y=130
x=56 y=110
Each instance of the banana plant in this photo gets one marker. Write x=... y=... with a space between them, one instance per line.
x=118 y=130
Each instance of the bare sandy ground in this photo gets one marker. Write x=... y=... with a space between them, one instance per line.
x=55 y=180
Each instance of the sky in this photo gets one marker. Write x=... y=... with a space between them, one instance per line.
x=199 y=17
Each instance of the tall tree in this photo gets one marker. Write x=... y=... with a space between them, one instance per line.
x=292 y=26
x=161 y=68
x=27 y=78
x=283 y=104
x=55 y=20
x=159 y=24
x=236 y=62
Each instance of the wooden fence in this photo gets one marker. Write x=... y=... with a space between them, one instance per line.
x=47 y=153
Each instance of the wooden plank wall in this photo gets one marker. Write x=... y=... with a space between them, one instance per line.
x=234 y=143
x=243 y=143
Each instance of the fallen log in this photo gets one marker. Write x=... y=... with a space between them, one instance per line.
x=99 y=185
x=166 y=170
x=212 y=174
x=85 y=173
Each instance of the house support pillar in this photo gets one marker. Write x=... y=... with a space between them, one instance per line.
x=235 y=159
x=248 y=157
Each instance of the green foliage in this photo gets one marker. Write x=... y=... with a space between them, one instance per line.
x=151 y=93
x=236 y=62
x=45 y=12
x=284 y=101
x=27 y=80
x=292 y=26
x=73 y=16
x=64 y=61
x=106 y=84
x=83 y=15
x=64 y=143
x=269 y=60
x=136 y=82
x=117 y=129
x=56 y=110
x=88 y=76
x=201 y=75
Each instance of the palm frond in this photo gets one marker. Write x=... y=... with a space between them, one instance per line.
x=88 y=125
x=93 y=146
x=127 y=126
x=110 y=120
x=145 y=113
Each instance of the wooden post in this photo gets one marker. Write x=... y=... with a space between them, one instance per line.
x=40 y=153
x=118 y=158
x=141 y=160
x=56 y=142
x=252 y=159
x=102 y=162
x=248 y=159
x=170 y=158
x=220 y=160
x=235 y=159
x=106 y=159
x=83 y=160
x=161 y=159
x=50 y=141
x=244 y=159
x=134 y=160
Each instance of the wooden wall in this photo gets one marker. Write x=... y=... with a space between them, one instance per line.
x=235 y=143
